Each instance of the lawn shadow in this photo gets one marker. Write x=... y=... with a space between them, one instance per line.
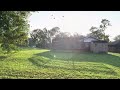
x=2 y=58
x=82 y=57
x=39 y=63
x=110 y=59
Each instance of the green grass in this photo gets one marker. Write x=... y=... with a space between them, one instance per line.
x=44 y=64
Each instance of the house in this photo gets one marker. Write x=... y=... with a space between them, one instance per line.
x=114 y=46
x=99 y=46
x=86 y=44
x=87 y=41
x=66 y=44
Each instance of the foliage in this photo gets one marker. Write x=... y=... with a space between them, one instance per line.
x=99 y=33
x=13 y=29
x=78 y=36
x=41 y=64
x=63 y=35
x=117 y=38
x=43 y=38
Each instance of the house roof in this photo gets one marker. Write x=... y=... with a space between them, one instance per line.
x=100 y=41
x=115 y=43
x=90 y=39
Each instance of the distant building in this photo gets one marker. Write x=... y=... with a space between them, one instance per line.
x=114 y=46
x=99 y=46
x=86 y=44
x=90 y=39
x=87 y=41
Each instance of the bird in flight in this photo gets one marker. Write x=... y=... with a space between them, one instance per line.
x=54 y=17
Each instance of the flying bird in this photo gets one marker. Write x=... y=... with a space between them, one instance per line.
x=52 y=16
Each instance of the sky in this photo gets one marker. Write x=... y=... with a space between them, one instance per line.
x=76 y=21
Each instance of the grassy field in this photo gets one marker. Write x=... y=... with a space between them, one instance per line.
x=45 y=64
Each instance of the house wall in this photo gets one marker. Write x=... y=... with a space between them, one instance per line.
x=67 y=44
x=87 y=46
x=73 y=44
x=99 y=47
x=114 y=49
x=111 y=49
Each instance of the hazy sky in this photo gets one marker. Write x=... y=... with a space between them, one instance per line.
x=76 y=21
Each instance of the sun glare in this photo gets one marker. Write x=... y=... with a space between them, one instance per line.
x=74 y=21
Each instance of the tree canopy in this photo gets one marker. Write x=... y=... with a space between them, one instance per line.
x=43 y=38
x=14 y=29
x=117 y=38
x=99 y=32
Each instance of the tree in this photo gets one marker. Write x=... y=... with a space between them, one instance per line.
x=61 y=35
x=103 y=26
x=43 y=38
x=95 y=32
x=39 y=37
x=78 y=36
x=117 y=38
x=13 y=29
x=36 y=36
x=99 y=33
x=54 y=31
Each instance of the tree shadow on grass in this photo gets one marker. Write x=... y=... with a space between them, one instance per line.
x=39 y=63
x=43 y=60
x=82 y=57
x=3 y=58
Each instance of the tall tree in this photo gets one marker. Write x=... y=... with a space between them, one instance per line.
x=117 y=38
x=44 y=37
x=52 y=33
x=62 y=35
x=36 y=36
x=13 y=29
x=78 y=36
x=99 y=33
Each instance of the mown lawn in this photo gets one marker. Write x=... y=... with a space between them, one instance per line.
x=45 y=64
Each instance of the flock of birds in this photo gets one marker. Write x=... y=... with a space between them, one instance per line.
x=54 y=16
